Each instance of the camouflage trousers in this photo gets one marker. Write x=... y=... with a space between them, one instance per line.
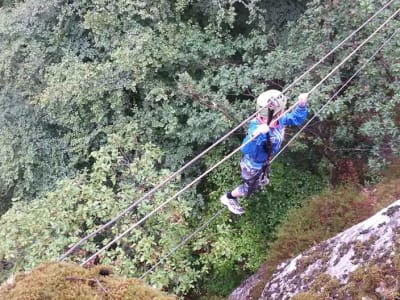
x=252 y=179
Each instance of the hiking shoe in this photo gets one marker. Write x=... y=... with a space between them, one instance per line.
x=232 y=204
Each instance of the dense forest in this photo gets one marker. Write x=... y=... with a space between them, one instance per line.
x=101 y=100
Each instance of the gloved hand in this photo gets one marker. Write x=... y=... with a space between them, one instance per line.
x=302 y=100
x=262 y=128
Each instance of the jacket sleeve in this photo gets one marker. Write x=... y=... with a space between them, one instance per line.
x=297 y=117
x=250 y=148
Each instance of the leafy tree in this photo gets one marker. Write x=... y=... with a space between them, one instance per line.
x=159 y=64
x=33 y=155
x=113 y=93
x=122 y=171
x=361 y=124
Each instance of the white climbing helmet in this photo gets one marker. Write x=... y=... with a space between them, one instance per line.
x=271 y=100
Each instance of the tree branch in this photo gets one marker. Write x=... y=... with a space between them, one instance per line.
x=209 y=103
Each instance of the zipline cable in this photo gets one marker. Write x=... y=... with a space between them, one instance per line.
x=336 y=93
x=220 y=140
x=350 y=55
x=222 y=160
x=181 y=243
x=330 y=73
x=205 y=224
x=355 y=50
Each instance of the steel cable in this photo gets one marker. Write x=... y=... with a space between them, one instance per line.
x=220 y=140
x=229 y=155
x=205 y=224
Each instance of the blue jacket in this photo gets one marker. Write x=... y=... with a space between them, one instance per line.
x=255 y=153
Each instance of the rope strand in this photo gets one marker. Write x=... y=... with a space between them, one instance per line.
x=282 y=149
x=222 y=160
x=180 y=244
x=336 y=93
x=220 y=140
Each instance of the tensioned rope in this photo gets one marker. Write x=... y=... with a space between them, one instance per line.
x=220 y=140
x=205 y=224
x=181 y=243
x=313 y=89
x=229 y=155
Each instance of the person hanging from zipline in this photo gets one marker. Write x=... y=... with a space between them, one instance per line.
x=263 y=140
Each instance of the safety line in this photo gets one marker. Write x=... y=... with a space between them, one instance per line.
x=334 y=49
x=335 y=94
x=355 y=50
x=349 y=56
x=176 y=173
x=217 y=164
x=282 y=149
x=180 y=244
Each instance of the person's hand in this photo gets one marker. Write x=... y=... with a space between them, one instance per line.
x=262 y=128
x=302 y=101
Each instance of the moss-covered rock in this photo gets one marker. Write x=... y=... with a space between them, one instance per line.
x=314 y=225
x=63 y=281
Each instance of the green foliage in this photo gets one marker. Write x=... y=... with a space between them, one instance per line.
x=119 y=91
x=92 y=62
x=361 y=123
x=33 y=156
x=238 y=244
x=84 y=100
x=120 y=173
x=133 y=54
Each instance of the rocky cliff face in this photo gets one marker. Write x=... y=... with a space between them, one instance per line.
x=371 y=243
